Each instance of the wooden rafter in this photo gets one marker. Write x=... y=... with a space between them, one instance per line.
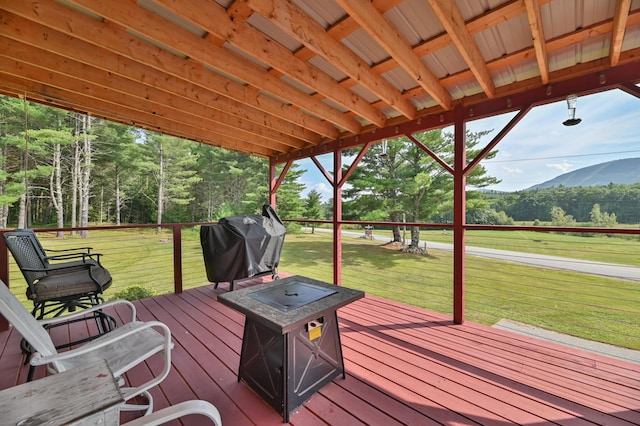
x=452 y=20
x=552 y=45
x=38 y=63
x=166 y=67
x=620 y=18
x=347 y=26
x=388 y=37
x=120 y=112
x=207 y=52
x=215 y=19
x=537 y=35
x=296 y=24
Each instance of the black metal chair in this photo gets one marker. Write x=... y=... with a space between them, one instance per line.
x=76 y=281
x=54 y=288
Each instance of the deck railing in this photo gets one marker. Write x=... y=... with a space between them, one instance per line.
x=570 y=299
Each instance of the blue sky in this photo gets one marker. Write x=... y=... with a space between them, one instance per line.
x=540 y=148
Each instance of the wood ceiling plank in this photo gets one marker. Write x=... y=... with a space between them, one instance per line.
x=347 y=26
x=74 y=101
x=577 y=36
x=90 y=94
x=23 y=31
x=149 y=98
x=480 y=23
x=170 y=82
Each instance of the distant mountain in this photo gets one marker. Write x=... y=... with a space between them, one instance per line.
x=626 y=171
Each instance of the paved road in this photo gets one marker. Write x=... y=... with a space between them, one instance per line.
x=554 y=262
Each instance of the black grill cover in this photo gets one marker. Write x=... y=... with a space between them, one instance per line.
x=242 y=246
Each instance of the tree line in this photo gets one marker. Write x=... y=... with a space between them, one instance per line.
x=67 y=169
x=578 y=202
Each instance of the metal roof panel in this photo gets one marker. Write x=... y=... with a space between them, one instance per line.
x=325 y=12
x=415 y=20
x=265 y=26
x=363 y=45
x=400 y=79
x=323 y=65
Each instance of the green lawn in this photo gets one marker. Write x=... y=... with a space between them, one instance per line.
x=591 y=307
x=624 y=249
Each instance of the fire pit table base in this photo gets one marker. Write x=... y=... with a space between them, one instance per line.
x=291 y=344
x=287 y=369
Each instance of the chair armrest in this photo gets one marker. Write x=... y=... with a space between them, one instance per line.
x=65 y=318
x=75 y=249
x=70 y=256
x=59 y=267
x=176 y=411
x=103 y=341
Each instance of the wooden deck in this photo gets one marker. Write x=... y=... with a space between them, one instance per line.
x=405 y=366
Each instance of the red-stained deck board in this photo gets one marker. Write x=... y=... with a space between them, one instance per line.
x=450 y=380
x=404 y=366
x=516 y=374
x=609 y=392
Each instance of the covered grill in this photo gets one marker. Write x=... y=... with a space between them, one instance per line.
x=242 y=246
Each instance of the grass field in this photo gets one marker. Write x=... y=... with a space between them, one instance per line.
x=595 y=308
x=623 y=250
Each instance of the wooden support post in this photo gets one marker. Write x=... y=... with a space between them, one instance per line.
x=337 y=217
x=459 y=216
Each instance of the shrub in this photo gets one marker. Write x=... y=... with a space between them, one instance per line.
x=293 y=227
x=134 y=292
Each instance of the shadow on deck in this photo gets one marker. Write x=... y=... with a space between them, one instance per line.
x=404 y=365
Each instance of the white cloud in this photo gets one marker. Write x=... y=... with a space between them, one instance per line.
x=324 y=189
x=563 y=167
x=513 y=170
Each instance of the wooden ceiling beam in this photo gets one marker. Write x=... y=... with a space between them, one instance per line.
x=451 y=19
x=56 y=16
x=577 y=36
x=500 y=14
x=537 y=35
x=194 y=78
x=207 y=51
x=493 y=17
x=88 y=95
x=346 y=26
x=215 y=19
x=620 y=17
x=293 y=21
x=39 y=63
x=74 y=101
x=377 y=26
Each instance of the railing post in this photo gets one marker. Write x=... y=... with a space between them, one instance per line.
x=177 y=258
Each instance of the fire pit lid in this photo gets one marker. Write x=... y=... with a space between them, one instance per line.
x=291 y=295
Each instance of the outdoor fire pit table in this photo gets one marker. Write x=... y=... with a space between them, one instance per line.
x=291 y=344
